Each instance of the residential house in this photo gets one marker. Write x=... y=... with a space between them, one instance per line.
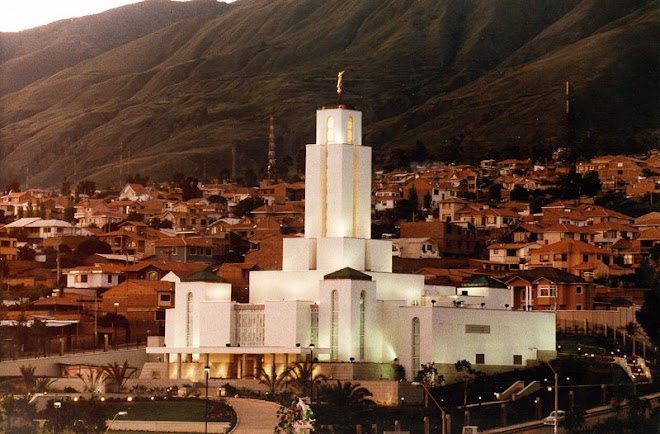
x=576 y=257
x=415 y=248
x=191 y=249
x=448 y=208
x=608 y=233
x=515 y=256
x=238 y=274
x=156 y=270
x=36 y=229
x=91 y=280
x=8 y=248
x=555 y=233
x=450 y=238
x=142 y=303
x=547 y=288
x=135 y=193
x=277 y=212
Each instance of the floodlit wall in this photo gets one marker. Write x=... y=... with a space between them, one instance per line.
x=450 y=334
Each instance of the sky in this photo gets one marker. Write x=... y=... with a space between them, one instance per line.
x=16 y=15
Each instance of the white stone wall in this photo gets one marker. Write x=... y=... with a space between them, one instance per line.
x=444 y=337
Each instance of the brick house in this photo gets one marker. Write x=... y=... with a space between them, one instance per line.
x=143 y=303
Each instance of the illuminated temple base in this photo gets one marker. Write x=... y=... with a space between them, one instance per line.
x=336 y=298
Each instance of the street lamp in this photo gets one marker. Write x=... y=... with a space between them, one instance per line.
x=207 y=368
x=119 y=413
x=442 y=410
x=114 y=323
x=556 y=421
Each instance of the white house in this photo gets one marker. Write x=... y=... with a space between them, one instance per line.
x=336 y=298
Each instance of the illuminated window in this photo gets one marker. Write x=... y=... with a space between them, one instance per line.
x=350 y=130
x=189 y=320
x=314 y=325
x=330 y=130
x=152 y=275
x=362 y=306
x=415 y=345
x=334 y=332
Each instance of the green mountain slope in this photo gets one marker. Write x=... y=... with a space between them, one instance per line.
x=470 y=79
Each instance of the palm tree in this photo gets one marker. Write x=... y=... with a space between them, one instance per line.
x=300 y=376
x=28 y=377
x=275 y=383
x=93 y=381
x=118 y=374
x=348 y=395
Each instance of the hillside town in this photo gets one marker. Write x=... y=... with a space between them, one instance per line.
x=497 y=247
x=555 y=234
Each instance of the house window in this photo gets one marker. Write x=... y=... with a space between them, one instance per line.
x=578 y=290
x=165 y=297
x=585 y=258
x=160 y=315
x=547 y=290
x=192 y=251
x=109 y=278
x=517 y=359
x=480 y=359
x=495 y=251
x=362 y=314
x=81 y=278
x=545 y=258
x=415 y=345
x=152 y=275
x=511 y=252
x=208 y=251
x=173 y=252
x=334 y=326
x=578 y=307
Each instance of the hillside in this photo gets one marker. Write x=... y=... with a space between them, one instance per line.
x=470 y=80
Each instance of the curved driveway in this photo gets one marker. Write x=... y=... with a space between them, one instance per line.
x=255 y=416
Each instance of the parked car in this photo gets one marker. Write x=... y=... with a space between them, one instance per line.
x=471 y=430
x=550 y=420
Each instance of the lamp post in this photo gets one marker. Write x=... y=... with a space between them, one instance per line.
x=114 y=323
x=119 y=413
x=442 y=410
x=207 y=368
x=556 y=421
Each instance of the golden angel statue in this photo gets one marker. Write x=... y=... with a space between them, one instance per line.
x=340 y=81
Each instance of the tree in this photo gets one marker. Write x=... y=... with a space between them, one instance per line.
x=93 y=380
x=574 y=419
x=347 y=395
x=245 y=207
x=138 y=179
x=69 y=214
x=26 y=253
x=93 y=245
x=13 y=186
x=190 y=188
x=300 y=376
x=28 y=378
x=65 y=188
x=275 y=383
x=86 y=187
x=648 y=316
x=468 y=374
x=118 y=374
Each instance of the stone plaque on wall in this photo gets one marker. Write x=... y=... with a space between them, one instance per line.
x=475 y=328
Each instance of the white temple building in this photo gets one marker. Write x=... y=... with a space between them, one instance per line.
x=336 y=298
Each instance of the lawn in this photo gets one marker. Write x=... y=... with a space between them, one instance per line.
x=175 y=410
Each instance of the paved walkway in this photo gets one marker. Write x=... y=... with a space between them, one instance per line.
x=255 y=416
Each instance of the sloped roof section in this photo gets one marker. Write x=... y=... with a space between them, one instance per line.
x=347 y=273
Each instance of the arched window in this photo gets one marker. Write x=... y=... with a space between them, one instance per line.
x=415 y=346
x=350 y=130
x=152 y=275
x=330 y=130
x=189 y=320
x=362 y=307
x=334 y=332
